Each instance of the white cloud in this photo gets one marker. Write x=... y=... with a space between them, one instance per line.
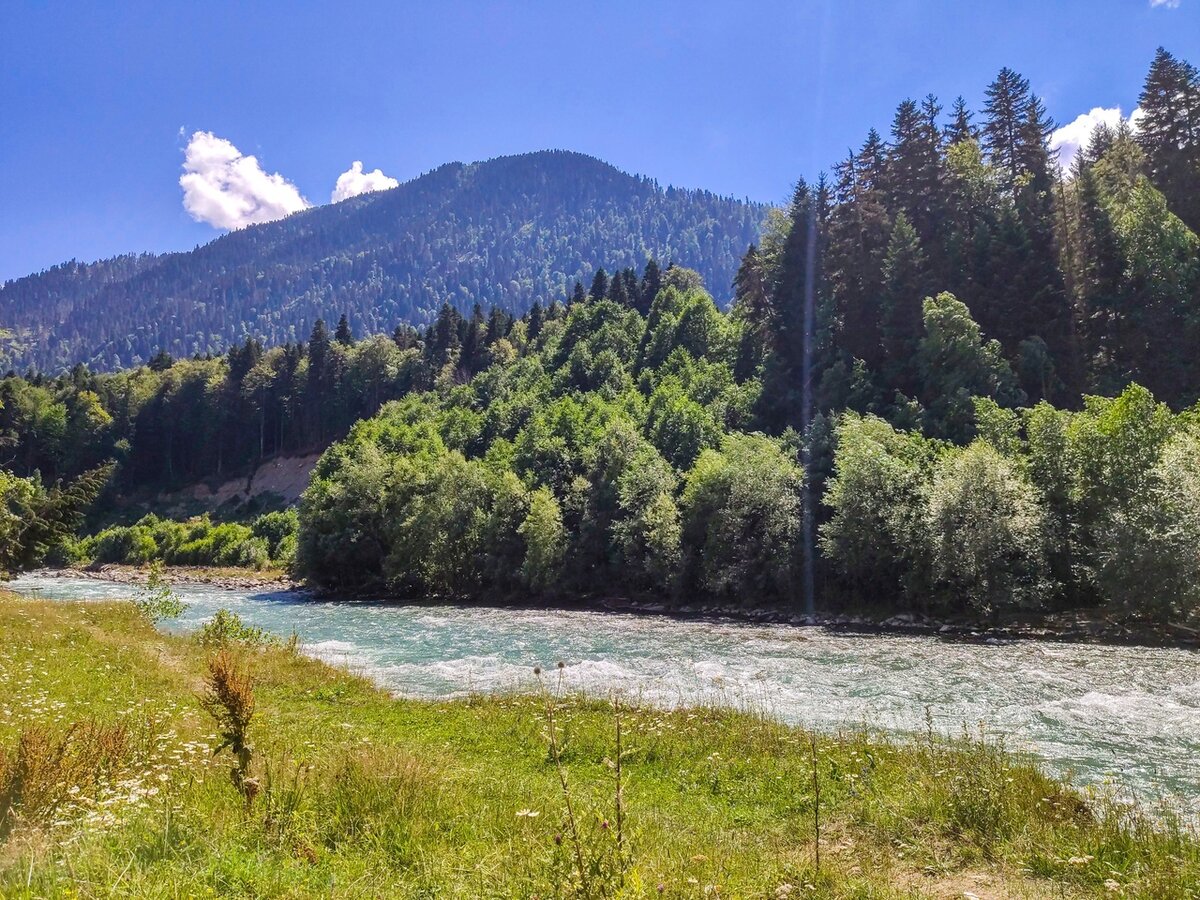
x=228 y=190
x=1165 y=4
x=355 y=181
x=1068 y=140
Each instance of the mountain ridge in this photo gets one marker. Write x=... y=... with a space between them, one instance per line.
x=503 y=231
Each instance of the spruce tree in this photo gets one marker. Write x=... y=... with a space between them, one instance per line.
x=404 y=337
x=960 y=128
x=320 y=379
x=633 y=290
x=616 y=291
x=443 y=342
x=344 y=335
x=905 y=286
x=752 y=308
x=651 y=285
x=1007 y=115
x=914 y=167
x=472 y=358
x=1098 y=284
x=318 y=348
x=858 y=237
x=871 y=162
x=578 y=296
x=537 y=317
x=798 y=296
x=599 y=285
x=1169 y=133
x=498 y=325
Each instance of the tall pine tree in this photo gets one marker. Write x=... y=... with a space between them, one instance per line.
x=1169 y=133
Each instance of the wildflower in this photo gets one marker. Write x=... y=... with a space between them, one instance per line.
x=1112 y=886
x=527 y=813
x=1080 y=860
x=558 y=839
x=661 y=887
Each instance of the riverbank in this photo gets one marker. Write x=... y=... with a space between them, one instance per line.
x=359 y=794
x=1081 y=626
x=229 y=578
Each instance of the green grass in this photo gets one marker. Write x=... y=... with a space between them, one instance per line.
x=363 y=795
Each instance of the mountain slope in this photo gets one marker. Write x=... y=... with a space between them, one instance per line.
x=503 y=232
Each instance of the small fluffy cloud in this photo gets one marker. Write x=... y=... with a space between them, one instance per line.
x=1165 y=4
x=355 y=181
x=228 y=190
x=1068 y=140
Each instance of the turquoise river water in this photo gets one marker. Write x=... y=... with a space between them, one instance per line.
x=1127 y=717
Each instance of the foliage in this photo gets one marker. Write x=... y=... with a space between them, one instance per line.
x=1052 y=508
x=155 y=600
x=226 y=630
x=741 y=514
x=538 y=475
x=986 y=531
x=34 y=519
x=268 y=540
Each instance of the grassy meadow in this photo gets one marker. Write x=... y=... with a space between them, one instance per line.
x=110 y=787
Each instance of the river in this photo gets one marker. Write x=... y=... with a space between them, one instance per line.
x=1123 y=716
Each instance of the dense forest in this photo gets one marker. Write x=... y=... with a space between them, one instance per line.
x=173 y=422
x=935 y=388
x=499 y=233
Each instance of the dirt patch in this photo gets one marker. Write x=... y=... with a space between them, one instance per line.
x=982 y=886
x=285 y=476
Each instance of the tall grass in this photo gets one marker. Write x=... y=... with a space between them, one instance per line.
x=548 y=794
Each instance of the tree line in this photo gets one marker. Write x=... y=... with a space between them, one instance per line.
x=173 y=422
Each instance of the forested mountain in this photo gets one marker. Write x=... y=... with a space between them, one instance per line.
x=498 y=233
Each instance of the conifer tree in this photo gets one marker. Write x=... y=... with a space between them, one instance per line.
x=616 y=291
x=633 y=289
x=474 y=341
x=871 y=162
x=752 y=306
x=1098 y=282
x=960 y=128
x=404 y=337
x=858 y=236
x=537 y=317
x=798 y=295
x=444 y=341
x=599 y=285
x=904 y=289
x=578 y=296
x=1169 y=133
x=651 y=285
x=498 y=324
x=1005 y=126
x=344 y=335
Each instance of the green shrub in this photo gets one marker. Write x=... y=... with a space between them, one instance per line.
x=156 y=601
x=275 y=528
x=252 y=553
x=226 y=629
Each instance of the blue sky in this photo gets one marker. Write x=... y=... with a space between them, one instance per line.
x=97 y=106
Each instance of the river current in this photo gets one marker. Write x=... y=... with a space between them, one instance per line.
x=1126 y=717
